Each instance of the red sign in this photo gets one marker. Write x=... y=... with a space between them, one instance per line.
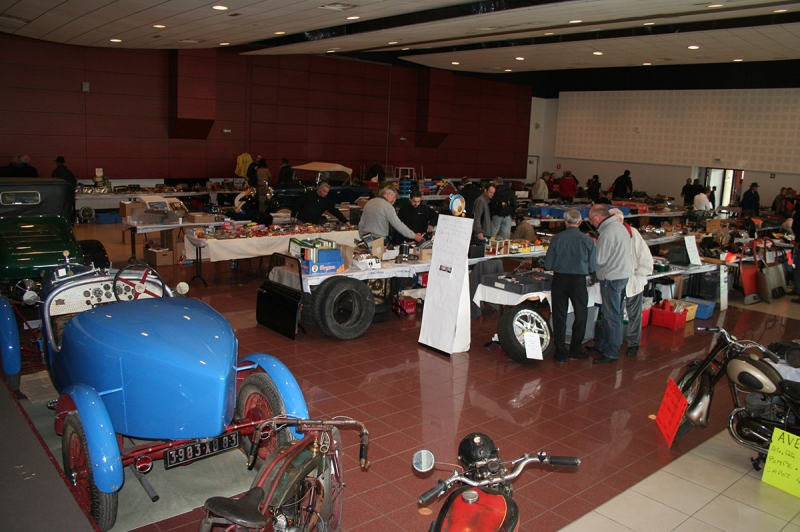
x=671 y=411
x=558 y=167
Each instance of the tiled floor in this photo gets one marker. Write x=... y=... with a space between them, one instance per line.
x=411 y=397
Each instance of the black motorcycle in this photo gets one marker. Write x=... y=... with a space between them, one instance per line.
x=762 y=398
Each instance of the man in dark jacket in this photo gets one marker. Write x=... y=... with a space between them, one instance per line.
x=751 y=201
x=62 y=172
x=418 y=217
x=312 y=205
x=623 y=186
x=285 y=173
x=21 y=168
x=502 y=209
x=470 y=191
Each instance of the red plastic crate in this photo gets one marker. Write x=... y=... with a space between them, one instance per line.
x=668 y=319
x=409 y=304
x=646 y=317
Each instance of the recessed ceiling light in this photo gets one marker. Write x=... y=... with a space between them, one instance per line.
x=508 y=70
x=353 y=18
x=737 y=60
x=575 y=21
x=455 y=63
x=224 y=44
x=780 y=11
x=485 y=28
x=392 y=42
x=694 y=47
x=115 y=40
x=219 y=8
x=280 y=33
x=159 y=26
x=337 y=6
x=597 y=53
x=405 y=48
x=715 y=5
x=190 y=41
x=520 y=58
x=649 y=24
x=646 y=64
x=549 y=33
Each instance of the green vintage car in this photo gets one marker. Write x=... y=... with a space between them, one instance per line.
x=36 y=232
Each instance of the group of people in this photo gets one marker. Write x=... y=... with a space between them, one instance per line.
x=621 y=261
x=699 y=197
x=569 y=187
x=21 y=167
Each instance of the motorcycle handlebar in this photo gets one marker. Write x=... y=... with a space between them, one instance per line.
x=432 y=493
x=767 y=353
x=564 y=461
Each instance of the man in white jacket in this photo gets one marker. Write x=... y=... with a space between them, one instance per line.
x=642 y=266
x=539 y=190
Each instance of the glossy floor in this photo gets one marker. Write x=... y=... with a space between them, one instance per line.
x=411 y=397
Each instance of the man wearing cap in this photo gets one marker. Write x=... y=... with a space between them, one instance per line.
x=285 y=172
x=62 y=172
x=751 y=202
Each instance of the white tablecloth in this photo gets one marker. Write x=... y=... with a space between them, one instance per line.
x=246 y=248
x=504 y=297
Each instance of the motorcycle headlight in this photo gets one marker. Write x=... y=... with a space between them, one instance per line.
x=476 y=447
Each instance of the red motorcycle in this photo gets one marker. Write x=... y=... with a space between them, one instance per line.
x=484 y=502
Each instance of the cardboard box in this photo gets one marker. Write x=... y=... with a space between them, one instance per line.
x=160 y=257
x=200 y=217
x=378 y=248
x=691 y=308
x=126 y=208
x=172 y=237
x=425 y=255
x=317 y=268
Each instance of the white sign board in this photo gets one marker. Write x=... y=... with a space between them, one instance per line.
x=691 y=248
x=445 y=319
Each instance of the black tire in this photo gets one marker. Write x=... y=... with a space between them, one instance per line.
x=688 y=384
x=307 y=314
x=94 y=253
x=346 y=309
x=13 y=381
x=318 y=297
x=515 y=322
x=259 y=398
x=383 y=310
x=102 y=507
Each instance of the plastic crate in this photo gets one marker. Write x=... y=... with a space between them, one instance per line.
x=668 y=319
x=646 y=317
x=705 y=308
x=108 y=218
x=691 y=308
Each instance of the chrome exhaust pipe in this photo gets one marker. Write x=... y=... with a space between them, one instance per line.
x=733 y=422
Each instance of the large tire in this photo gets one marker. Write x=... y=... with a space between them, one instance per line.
x=688 y=384
x=318 y=297
x=307 y=314
x=259 y=399
x=383 y=310
x=518 y=320
x=102 y=507
x=345 y=310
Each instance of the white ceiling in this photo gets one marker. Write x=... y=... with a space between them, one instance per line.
x=95 y=22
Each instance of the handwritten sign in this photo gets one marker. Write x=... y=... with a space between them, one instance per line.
x=691 y=248
x=671 y=411
x=533 y=346
x=782 y=467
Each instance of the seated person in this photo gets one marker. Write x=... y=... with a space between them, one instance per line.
x=312 y=205
x=702 y=203
x=524 y=231
x=247 y=209
x=418 y=217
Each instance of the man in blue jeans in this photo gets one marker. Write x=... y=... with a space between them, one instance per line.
x=613 y=271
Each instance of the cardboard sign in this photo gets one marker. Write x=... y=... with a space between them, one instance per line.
x=782 y=467
x=691 y=248
x=533 y=346
x=671 y=411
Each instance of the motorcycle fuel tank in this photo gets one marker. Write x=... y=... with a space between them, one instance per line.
x=754 y=373
x=468 y=509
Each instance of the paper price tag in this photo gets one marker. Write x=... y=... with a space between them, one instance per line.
x=533 y=346
x=782 y=466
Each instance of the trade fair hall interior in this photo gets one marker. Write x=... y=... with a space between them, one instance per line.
x=392 y=218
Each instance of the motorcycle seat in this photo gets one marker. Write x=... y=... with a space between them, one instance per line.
x=792 y=390
x=243 y=512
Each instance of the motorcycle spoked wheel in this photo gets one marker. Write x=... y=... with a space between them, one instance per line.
x=689 y=384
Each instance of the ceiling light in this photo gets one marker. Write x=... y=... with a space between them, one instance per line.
x=329 y=51
x=508 y=70
x=485 y=28
x=455 y=63
x=392 y=42
x=780 y=11
x=224 y=44
x=649 y=24
x=646 y=64
x=337 y=6
x=575 y=21
x=520 y=58
x=159 y=26
x=694 y=47
x=190 y=41
x=115 y=40
x=15 y=20
x=280 y=33
x=549 y=33
x=219 y=8
x=737 y=60
x=405 y=48
x=353 y=18
x=597 y=53
x=715 y=5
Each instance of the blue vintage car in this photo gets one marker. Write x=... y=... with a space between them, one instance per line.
x=131 y=358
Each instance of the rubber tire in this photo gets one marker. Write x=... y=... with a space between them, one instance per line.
x=511 y=343
x=103 y=506
x=318 y=297
x=686 y=384
x=307 y=314
x=260 y=387
x=361 y=312
x=383 y=310
x=335 y=523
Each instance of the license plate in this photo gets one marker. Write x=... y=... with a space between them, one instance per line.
x=195 y=451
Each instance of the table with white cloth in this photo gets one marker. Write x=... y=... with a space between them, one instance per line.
x=136 y=228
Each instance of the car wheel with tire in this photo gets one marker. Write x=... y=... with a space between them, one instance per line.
x=521 y=319
x=101 y=506
x=345 y=308
x=259 y=399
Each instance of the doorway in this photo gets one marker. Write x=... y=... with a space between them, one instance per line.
x=728 y=183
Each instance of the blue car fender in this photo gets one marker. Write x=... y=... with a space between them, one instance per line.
x=284 y=380
x=9 y=338
x=100 y=436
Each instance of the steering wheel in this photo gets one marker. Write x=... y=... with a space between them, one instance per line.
x=132 y=289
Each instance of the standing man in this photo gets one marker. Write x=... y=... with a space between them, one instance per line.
x=568 y=186
x=470 y=192
x=642 y=266
x=751 y=201
x=417 y=217
x=539 y=190
x=571 y=256
x=779 y=203
x=687 y=188
x=379 y=215
x=22 y=168
x=502 y=207
x=623 y=186
x=313 y=204
x=62 y=172
x=613 y=271
x=285 y=172
x=252 y=171
x=482 y=222
x=376 y=170
x=712 y=197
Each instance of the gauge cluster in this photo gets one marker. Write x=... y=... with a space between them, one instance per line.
x=93 y=292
